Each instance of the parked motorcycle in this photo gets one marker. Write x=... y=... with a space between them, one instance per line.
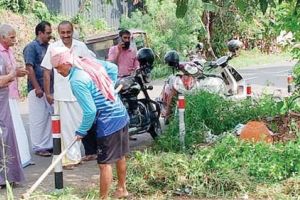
x=191 y=77
x=143 y=111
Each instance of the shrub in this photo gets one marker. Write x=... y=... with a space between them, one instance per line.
x=228 y=168
x=207 y=112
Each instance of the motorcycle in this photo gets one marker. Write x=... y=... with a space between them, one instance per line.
x=191 y=77
x=144 y=112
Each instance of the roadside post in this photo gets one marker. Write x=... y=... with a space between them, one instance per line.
x=290 y=83
x=249 y=91
x=181 y=109
x=56 y=133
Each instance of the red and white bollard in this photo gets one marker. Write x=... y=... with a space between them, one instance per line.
x=290 y=82
x=249 y=91
x=56 y=133
x=181 y=109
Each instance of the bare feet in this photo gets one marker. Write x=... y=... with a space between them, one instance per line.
x=121 y=193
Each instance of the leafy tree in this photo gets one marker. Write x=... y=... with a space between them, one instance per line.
x=15 y=5
x=165 y=31
x=243 y=5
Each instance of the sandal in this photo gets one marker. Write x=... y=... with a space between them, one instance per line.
x=89 y=157
x=69 y=167
x=43 y=153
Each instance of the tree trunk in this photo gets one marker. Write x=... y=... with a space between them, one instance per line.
x=207 y=21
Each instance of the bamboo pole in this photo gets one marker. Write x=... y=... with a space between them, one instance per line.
x=48 y=170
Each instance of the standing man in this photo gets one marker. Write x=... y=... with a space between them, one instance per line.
x=96 y=96
x=39 y=109
x=12 y=172
x=65 y=104
x=7 y=40
x=124 y=56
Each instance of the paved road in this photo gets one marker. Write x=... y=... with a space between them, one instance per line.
x=259 y=78
x=269 y=76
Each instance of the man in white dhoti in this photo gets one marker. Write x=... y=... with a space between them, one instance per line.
x=7 y=40
x=39 y=109
x=65 y=104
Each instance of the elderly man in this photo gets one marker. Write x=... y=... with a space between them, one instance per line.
x=102 y=107
x=39 y=109
x=7 y=40
x=65 y=104
x=123 y=55
x=13 y=172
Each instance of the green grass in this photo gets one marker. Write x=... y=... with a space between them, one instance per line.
x=255 y=58
x=160 y=71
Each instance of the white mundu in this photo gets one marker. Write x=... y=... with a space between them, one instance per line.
x=40 y=122
x=21 y=135
x=65 y=103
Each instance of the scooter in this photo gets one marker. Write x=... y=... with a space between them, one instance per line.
x=190 y=77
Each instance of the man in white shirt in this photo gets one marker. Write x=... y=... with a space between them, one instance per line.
x=65 y=103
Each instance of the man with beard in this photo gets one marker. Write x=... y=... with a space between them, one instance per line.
x=65 y=104
x=123 y=55
x=39 y=109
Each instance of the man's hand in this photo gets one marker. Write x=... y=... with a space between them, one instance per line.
x=49 y=99
x=39 y=93
x=121 y=45
x=21 y=72
x=78 y=137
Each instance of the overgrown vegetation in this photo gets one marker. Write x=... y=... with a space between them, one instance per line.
x=229 y=168
x=164 y=29
x=214 y=114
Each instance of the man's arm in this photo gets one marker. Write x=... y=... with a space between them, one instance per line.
x=46 y=64
x=29 y=57
x=5 y=80
x=47 y=78
x=38 y=91
x=86 y=102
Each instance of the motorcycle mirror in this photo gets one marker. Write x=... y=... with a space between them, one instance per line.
x=221 y=61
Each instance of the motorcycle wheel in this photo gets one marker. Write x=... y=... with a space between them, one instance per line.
x=155 y=129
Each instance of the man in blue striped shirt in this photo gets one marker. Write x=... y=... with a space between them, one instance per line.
x=102 y=109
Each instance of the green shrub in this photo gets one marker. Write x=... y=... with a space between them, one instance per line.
x=164 y=30
x=228 y=168
x=210 y=112
x=15 y=5
x=296 y=72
